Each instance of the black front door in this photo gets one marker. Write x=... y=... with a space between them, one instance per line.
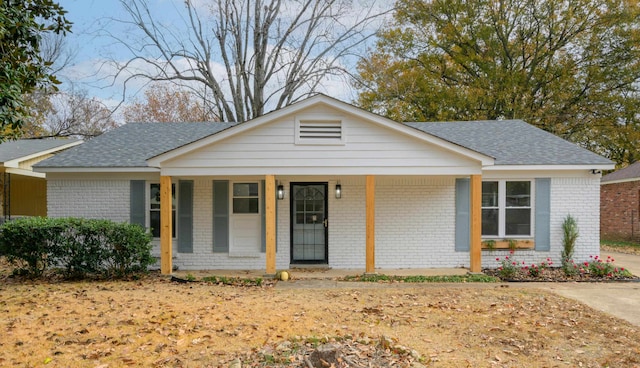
x=309 y=223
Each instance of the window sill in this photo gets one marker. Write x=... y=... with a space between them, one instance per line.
x=243 y=255
x=505 y=244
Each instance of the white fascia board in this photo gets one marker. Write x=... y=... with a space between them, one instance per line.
x=336 y=104
x=96 y=169
x=548 y=167
x=302 y=171
x=16 y=161
x=23 y=172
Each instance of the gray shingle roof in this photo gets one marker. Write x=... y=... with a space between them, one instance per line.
x=512 y=142
x=12 y=150
x=132 y=144
x=630 y=172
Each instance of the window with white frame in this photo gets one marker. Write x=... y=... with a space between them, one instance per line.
x=246 y=198
x=154 y=209
x=506 y=208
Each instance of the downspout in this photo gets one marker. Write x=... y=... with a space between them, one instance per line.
x=6 y=196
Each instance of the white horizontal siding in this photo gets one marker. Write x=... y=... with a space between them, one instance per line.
x=367 y=146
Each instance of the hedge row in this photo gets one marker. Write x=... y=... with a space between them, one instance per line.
x=77 y=247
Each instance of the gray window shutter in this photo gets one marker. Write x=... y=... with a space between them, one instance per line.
x=263 y=218
x=137 y=210
x=221 y=216
x=543 y=214
x=463 y=219
x=185 y=216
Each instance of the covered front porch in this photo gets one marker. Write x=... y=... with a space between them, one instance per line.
x=374 y=221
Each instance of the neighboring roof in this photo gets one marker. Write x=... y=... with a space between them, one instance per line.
x=132 y=144
x=24 y=148
x=512 y=142
x=629 y=173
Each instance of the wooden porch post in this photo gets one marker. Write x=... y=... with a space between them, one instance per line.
x=370 y=193
x=476 y=224
x=270 y=222
x=166 y=253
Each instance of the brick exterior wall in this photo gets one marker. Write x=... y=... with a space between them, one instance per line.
x=620 y=211
x=96 y=199
x=415 y=225
x=415 y=221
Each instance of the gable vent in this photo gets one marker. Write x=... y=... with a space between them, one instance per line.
x=321 y=130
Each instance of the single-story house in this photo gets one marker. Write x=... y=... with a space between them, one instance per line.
x=23 y=192
x=324 y=182
x=620 y=204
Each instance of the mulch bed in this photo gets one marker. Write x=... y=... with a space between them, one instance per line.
x=556 y=274
x=336 y=353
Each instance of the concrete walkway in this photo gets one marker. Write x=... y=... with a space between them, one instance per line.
x=620 y=299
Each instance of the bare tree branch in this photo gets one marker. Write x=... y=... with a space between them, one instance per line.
x=250 y=55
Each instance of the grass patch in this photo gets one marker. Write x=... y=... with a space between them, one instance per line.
x=620 y=244
x=422 y=279
x=233 y=281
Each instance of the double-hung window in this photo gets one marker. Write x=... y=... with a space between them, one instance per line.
x=245 y=198
x=154 y=210
x=506 y=208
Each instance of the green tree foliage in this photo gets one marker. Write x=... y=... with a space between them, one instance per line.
x=570 y=67
x=22 y=67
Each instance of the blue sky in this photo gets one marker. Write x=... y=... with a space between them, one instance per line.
x=91 y=20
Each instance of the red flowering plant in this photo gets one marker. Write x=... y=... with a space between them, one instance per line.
x=596 y=268
x=603 y=268
x=571 y=268
x=508 y=266
x=537 y=270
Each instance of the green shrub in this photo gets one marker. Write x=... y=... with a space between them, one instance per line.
x=78 y=247
x=570 y=235
x=129 y=250
x=27 y=244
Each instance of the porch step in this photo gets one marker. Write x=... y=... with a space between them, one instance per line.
x=314 y=267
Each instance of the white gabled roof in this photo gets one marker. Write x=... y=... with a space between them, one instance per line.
x=337 y=105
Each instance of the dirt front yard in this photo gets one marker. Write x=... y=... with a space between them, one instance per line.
x=155 y=322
